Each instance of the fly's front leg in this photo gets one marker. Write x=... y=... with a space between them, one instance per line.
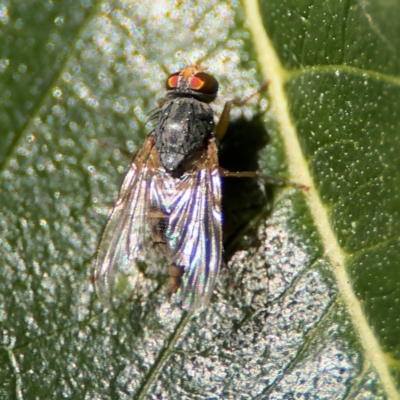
x=221 y=130
x=223 y=122
x=123 y=150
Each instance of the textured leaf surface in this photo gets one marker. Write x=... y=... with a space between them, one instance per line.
x=78 y=81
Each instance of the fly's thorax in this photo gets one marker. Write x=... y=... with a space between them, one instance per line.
x=184 y=126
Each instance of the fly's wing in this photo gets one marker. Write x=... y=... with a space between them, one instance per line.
x=195 y=232
x=126 y=236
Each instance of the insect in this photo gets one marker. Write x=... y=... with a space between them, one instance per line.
x=171 y=194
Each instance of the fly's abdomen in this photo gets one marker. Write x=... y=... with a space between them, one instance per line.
x=184 y=125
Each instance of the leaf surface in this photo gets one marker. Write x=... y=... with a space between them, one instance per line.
x=309 y=306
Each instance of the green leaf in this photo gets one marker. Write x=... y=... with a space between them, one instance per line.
x=309 y=306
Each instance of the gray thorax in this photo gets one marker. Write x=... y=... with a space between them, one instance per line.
x=184 y=125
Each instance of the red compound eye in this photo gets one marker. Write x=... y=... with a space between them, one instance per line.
x=172 y=81
x=204 y=83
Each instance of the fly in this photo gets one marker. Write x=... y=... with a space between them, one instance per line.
x=171 y=194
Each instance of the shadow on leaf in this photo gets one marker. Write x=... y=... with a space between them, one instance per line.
x=243 y=198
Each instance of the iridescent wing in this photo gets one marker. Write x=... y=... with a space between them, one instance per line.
x=195 y=231
x=182 y=214
x=126 y=238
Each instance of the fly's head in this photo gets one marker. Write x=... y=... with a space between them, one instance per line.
x=192 y=82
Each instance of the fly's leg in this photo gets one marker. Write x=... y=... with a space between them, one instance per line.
x=223 y=122
x=175 y=278
x=221 y=130
x=240 y=174
x=107 y=144
x=255 y=174
x=158 y=222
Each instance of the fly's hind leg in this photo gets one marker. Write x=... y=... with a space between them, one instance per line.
x=175 y=278
x=158 y=222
